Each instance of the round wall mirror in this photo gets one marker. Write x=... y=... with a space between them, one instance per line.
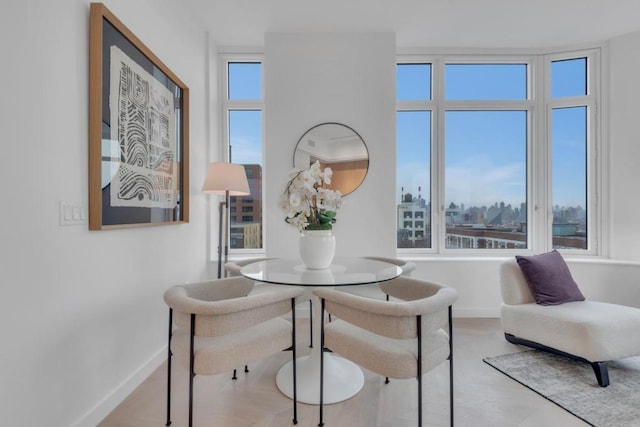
x=339 y=147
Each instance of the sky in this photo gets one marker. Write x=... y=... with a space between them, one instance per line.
x=245 y=126
x=485 y=151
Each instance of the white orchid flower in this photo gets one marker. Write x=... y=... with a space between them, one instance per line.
x=304 y=195
x=308 y=180
x=328 y=173
x=295 y=200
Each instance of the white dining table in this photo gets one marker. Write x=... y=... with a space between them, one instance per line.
x=342 y=378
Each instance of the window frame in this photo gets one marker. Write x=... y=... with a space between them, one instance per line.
x=538 y=106
x=431 y=106
x=225 y=150
x=595 y=166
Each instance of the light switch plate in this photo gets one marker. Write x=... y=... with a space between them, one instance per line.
x=72 y=214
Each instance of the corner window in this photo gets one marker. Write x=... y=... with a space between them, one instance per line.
x=496 y=156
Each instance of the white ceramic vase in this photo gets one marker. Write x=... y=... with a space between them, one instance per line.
x=317 y=248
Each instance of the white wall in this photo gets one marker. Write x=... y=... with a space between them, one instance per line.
x=477 y=281
x=624 y=60
x=346 y=78
x=82 y=312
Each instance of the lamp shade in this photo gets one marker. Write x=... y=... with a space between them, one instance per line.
x=222 y=177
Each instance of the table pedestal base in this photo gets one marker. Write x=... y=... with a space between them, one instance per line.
x=342 y=378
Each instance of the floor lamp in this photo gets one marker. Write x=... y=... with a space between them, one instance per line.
x=229 y=179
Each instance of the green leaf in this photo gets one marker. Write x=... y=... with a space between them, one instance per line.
x=326 y=217
x=321 y=226
x=330 y=214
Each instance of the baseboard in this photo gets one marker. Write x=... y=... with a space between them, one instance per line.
x=302 y=311
x=469 y=312
x=120 y=393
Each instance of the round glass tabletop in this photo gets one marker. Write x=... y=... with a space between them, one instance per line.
x=342 y=272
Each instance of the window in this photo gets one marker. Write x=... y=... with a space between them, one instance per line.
x=485 y=153
x=243 y=112
x=485 y=175
x=498 y=148
x=468 y=81
x=570 y=107
x=413 y=124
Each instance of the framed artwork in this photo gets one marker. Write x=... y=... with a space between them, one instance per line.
x=138 y=131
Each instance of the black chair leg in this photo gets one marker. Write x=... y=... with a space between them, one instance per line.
x=191 y=367
x=168 y=423
x=451 y=366
x=419 y=368
x=321 y=423
x=293 y=348
x=310 y=324
x=235 y=376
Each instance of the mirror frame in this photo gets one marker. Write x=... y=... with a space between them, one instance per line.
x=351 y=130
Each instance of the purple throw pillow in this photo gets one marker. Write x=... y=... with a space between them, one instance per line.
x=549 y=278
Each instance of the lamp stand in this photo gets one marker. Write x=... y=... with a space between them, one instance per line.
x=226 y=230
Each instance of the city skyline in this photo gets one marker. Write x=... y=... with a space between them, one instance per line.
x=498 y=226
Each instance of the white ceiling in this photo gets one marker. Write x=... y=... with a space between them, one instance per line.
x=424 y=23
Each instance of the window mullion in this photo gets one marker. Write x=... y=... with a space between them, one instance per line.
x=438 y=225
x=488 y=105
x=539 y=175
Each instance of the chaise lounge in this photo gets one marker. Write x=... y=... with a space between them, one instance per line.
x=588 y=331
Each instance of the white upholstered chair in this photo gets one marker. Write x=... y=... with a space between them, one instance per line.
x=407 y=266
x=232 y=268
x=219 y=324
x=373 y=290
x=588 y=331
x=402 y=338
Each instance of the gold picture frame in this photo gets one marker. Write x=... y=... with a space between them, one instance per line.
x=138 y=131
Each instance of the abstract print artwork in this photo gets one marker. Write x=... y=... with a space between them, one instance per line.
x=138 y=131
x=143 y=122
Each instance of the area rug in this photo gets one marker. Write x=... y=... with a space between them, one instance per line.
x=572 y=385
